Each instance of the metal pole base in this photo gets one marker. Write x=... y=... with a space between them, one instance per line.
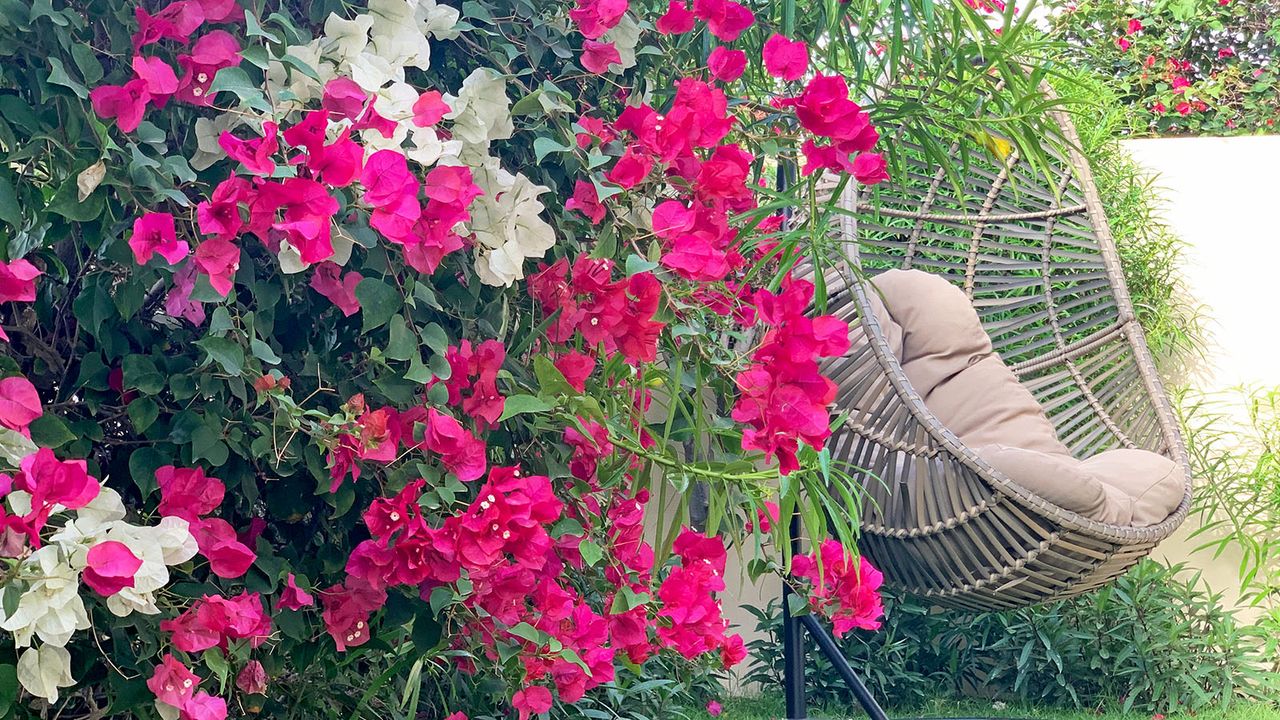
x=793 y=632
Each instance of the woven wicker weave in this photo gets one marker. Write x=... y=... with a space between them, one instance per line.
x=1042 y=271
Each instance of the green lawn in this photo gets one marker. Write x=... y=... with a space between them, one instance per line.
x=771 y=708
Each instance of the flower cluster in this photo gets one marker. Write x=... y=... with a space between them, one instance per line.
x=843 y=587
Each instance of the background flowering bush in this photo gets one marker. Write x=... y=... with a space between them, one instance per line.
x=1184 y=66
x=347 y=347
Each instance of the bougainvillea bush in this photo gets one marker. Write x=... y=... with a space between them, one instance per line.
x=1184 y=66
x=351 y=349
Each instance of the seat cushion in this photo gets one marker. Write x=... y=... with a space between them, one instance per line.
x=1150 y=485
x=948 y=358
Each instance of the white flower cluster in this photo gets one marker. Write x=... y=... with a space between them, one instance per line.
x=373 y=49
x=50 y=607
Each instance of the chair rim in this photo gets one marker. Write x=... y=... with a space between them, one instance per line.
x=1154 y=389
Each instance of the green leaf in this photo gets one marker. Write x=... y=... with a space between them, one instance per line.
x=637 y=265
x=87 y=62
x=143 y=464
x=627 y=599
x=378 y=302
x=402 y=345
x=58 y=76
x=544 y=146
x=263 y=352
x=139 y=373
x=66 y=202
x=225 y=352
x=435 y=338
x=50 y=431
x=591 y=552
x=426 y=630
x=521 y=404
x=253 y=29
x=206 y=444
x=418 y=372
x=216 y=661
x=525 y=631
x=142 y=413
x=551 y=381
x=10 y=211
x=8 y=687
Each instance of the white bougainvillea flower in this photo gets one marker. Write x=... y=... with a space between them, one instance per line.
x=371 y=72
x=625 y=36
x=42 y=670
x=345 y=39
x=395 y=102
x=167 y=544
x=208 y=151
x=507 y=225
x=397 y=35
x=283 y=77
x=373 y=140
x=481 y=111
x=439 y=21
x=427 y=147
x=51 y=607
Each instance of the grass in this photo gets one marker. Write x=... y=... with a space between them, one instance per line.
x=772 y=708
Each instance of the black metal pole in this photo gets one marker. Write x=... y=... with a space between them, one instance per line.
x=793 y=642
x=828 y=646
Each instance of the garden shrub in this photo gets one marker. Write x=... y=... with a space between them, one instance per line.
x=1155 y=641
x=1204 y=67
x=347 y=344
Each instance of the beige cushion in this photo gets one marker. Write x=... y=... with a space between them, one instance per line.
x=941 y=334
x=888 y=326
x=1150 y=485
x=948 y=358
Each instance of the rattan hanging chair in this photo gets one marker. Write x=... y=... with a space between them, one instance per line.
x=1041 y=269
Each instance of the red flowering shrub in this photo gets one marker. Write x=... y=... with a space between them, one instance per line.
x=332 y=359
x=1204 y=66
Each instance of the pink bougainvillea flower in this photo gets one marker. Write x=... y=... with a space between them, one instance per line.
x=110 y=567
x=1226 y=52
x=176 y=21
x=228 y=557
x=1134 y=26
x=429 y=108
x=220 y=214
x=576 y=368
x=725 y=19
x=172 y=682
x=213 y=620
x=714 y=708
x=460 y=451
x=252 y=678
x=178 y=302
x=294 y=597
x=308 y=217
x=18 y=281
x=51 y=482
x=598 y=56
x=159 y=78
x=344 y=99
x=597 y=17
x=1123 y=44
x=677 y=20
x=1183 y=108
x=213 y=52
x=786 y=59
x=346 y=612
x=726 y=65
x=219 y=259
x=204 y=706
x=125 y=103
x=870 y=168
x=386 y=178
x=1180 y=84
x=586 y=201
x=630 y=169
x=846 y=588
x=19 y=403
x=155 y=232
x=187 y=493
x=340 y=289
x=254 y=155
x=531 y=701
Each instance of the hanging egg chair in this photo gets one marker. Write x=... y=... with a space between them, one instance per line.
x=1040 y=268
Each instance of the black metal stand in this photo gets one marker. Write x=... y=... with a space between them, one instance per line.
x=793 y=632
